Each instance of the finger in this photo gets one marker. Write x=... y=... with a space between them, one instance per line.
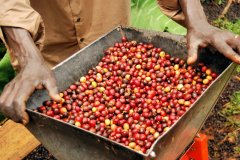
x=23 y=92
x=40 y=86
x=235 y=43
x=227 y=51
x=7 y=90
x=10 y=88
x=7 y=98
x=20 y=112
x=192 y=52
x=18 y=115
x=7 y=110
x=238 y=49
x=51 y=86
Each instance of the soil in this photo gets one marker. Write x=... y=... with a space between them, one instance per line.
x=221 y=142
x=221 y=145
x=40 y=153
x=213 y=10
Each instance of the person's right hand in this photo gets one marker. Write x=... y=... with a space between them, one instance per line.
x=201 y=34
x=16 y=93
x=204 y=35
x=34 y=74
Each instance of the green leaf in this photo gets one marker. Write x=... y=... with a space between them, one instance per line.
x=1 y=117
x=238 y=69
x=6 y=74
x=232 y=109
x=235 y=99
x=2 y=49
x=224 y=23
x=6 y=71
x=146 y=14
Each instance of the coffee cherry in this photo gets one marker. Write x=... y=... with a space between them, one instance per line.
x=63 y=110
x=124 y=39
x=83 y=79
x=77 y=124
x=107 y=122
x=206 y=81
x=208 y=71
x=50 y=113
x=132 y=145
x=126 y=126
x=156 y=135
x=162 y=54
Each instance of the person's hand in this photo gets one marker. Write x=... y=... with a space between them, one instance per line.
x=201 y=33
x=16 y=93
x=34 y=74
x=224 y=41
x=205 y=34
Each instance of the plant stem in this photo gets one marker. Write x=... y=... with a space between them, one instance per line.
x=225 y=10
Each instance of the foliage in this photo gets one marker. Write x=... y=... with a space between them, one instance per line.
x=224 y=23
x=219 y=2
x=232 y=110
x=146 y=14
x=238 y=69
x=2 y=49
x=237 y=150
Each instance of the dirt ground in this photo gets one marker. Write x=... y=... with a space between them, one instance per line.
x=222 y=139
x=213 y=10
x=221 y=145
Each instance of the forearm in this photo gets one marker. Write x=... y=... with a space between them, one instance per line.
x=193 y=12
x=21 y=45
x=34 y=74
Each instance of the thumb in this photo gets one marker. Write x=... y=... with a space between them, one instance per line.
x=25 y=118
x=192 y=53
x=51 y=86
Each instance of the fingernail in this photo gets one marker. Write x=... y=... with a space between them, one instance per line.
x=190 y=60
x=58 y=98
x=24 y=122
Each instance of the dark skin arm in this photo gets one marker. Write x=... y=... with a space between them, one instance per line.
x=202 y=34
x=34 y=74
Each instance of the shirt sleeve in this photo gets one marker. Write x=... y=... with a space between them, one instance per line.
x=172 y=9
x=19 y=13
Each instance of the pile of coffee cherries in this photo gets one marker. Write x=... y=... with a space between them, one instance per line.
x=135 y=94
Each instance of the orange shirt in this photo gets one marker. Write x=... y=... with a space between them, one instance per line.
x=68 y=25
x=172 y=9
x=62 y=27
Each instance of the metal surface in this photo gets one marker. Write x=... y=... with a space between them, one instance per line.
x=68 y=142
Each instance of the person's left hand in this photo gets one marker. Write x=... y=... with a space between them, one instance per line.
x=205 y=34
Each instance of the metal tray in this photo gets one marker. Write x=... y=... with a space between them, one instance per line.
x=68 y=142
